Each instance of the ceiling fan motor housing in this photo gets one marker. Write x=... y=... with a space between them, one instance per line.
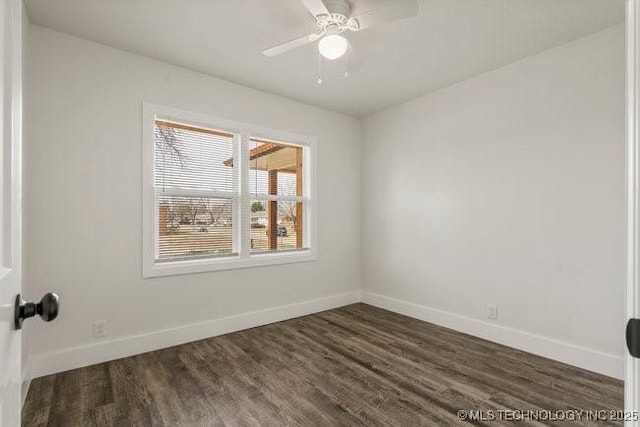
x=337 y=21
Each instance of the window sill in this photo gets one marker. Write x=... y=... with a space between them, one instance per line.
x=159 y=269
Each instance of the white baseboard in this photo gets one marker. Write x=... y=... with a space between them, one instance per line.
x=77 y=357
x=586 y=358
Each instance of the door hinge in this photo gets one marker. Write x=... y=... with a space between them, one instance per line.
x=633 y=337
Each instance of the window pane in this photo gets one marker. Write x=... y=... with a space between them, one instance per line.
x=275 y=168
x=192 y=227
x=192 y=158
x=276 y=226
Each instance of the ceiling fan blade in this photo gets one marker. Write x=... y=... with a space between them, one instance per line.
x=391 y=11
x=316 y=7
x=293 y=44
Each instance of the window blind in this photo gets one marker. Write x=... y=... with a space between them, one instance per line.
x=195 y=191
x=192 y=158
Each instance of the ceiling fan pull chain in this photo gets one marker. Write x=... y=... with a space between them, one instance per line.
x=347 y=61
x=319 y=69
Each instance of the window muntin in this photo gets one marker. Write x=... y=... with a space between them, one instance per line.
x=198 y=209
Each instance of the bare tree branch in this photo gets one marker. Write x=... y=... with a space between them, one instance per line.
x=216 y=211
x=168 y=144
x=288 y=209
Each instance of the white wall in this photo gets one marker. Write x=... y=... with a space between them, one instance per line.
x=84 y=199
x=508 y=189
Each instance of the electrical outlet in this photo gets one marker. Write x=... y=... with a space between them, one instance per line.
x=492 y=311
x=99 y=328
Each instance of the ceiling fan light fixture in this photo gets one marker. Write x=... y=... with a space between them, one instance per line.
x=332 y=46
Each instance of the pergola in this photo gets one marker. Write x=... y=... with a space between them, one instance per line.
x=274 y=157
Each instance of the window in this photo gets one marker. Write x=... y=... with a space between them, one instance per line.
x=276 y=186
x=221 y=195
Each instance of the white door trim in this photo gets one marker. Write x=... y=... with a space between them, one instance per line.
x=11 y=53
x=632 y=367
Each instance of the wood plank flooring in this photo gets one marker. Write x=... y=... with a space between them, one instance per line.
x=357 y=365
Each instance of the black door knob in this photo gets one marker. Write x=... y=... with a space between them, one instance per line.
x=47 y=308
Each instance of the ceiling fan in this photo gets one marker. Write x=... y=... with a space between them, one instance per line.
x=333 y=17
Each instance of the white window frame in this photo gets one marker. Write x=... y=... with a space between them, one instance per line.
x=242 y=257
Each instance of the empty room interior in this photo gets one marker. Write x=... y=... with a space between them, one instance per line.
x=317 y=212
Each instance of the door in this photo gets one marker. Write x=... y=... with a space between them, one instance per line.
x=632 y=364
x=10 y=211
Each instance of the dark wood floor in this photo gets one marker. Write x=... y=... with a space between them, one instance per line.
x=357 y=365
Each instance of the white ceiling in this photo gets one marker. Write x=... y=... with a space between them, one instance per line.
x=449 y=41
